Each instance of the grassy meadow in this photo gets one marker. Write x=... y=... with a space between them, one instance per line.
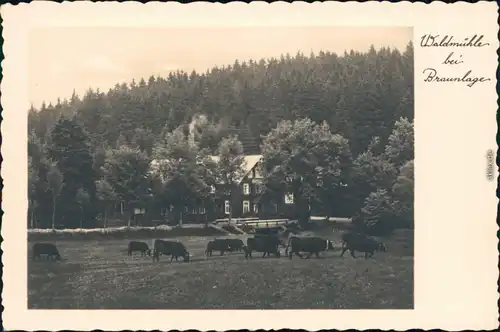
x=98 y=274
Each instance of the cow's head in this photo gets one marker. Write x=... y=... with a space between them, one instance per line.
x=148 y=252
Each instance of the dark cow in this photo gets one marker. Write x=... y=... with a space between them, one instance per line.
x=350 y=235
x=173 y=248
x=47 y=249
x=266 y=244
x=235 y=245
x=142 y=247
x=359 y=242
x=310 y=245
x=221 y=245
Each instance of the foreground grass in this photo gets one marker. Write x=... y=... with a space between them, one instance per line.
x=99 y=275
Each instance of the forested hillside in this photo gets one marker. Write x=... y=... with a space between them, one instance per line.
x=360 y=96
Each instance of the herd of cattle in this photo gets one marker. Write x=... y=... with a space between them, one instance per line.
x=265 y=244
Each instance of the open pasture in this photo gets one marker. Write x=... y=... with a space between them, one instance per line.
x=98 y=274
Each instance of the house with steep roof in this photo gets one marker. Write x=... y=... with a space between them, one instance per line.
x=245 y=201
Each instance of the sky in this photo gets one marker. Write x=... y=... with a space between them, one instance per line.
x=63 y=59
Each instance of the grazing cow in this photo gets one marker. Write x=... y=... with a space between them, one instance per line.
x=311 y=245
x=48 y=249
x=139 y=246
x=360 y=242
x=174 y=248
x=350 y=235
x=265 y=244
x=235 y=245
x=221 y=245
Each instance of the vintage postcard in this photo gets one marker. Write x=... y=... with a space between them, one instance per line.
x=292 y=165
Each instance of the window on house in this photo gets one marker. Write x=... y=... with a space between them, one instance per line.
x=202 y=210
x=226 y=207
x=288 y=198
x=246 y=189
x=186 y=209
x=258 y=188
x=246 y=206
x=275 y=208
x=212 y=189
x=257 y=171
x=193 y=210
x=256 y=208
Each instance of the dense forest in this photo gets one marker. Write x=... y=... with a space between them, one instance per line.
x=90 y=151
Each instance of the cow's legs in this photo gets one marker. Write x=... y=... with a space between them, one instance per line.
x=222 y=252
x=264 y=255
x=352 y=253
x=317 y=254
x=309 y=255
x=344 y=249
x=299 y=254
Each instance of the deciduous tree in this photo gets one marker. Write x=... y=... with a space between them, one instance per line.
x=230 y=166
x=183 y=170
x=55 y=182
x=126 y=170
x=300 y=158
x=32 y=183
x=106 y=196
x=83 y=199
x=400 y=145
x=403 y=193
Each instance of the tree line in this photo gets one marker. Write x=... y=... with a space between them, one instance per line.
x=336 y=130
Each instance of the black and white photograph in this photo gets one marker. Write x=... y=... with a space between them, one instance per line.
x=228 y=168
x=258 y=166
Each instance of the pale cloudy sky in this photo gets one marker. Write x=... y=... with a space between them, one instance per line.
x=63 y=59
